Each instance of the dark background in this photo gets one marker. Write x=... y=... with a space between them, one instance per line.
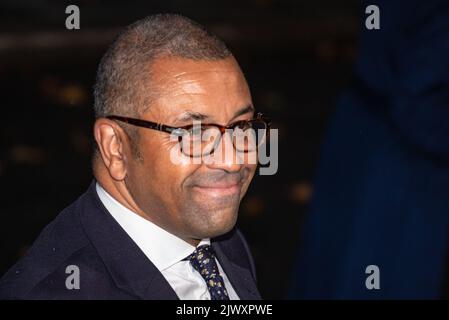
x=297 y=57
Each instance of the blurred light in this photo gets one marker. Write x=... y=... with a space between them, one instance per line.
x=71 y=94
x=11 y=42
x=301 y=192
x=253 y=206
x=22 y=154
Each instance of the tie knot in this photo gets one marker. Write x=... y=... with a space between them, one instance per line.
x=203 y=258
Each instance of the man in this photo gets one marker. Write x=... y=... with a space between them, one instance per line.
x=150 y=227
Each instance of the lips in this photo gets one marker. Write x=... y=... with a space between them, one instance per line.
x=219 y=189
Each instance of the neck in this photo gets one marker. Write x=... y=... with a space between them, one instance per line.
x=192 y=242
x=118 y=190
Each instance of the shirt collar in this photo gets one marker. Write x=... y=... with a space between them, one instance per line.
x=160 y=246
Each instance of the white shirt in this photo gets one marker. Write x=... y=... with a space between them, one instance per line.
x=164 y=250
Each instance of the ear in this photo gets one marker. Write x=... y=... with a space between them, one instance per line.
x=111 y=141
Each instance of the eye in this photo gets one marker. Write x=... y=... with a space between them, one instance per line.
x=178 y=132
x=243 y=125
x=196 y=130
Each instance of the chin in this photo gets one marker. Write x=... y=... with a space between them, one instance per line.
x=214 y=225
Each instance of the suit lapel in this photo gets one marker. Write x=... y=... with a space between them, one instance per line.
x=240 y=278
x=131 y=270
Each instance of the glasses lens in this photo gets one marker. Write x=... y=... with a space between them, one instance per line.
x=200 y=140
x=249 y=135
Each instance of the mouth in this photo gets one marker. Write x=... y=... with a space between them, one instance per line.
x=219 y=190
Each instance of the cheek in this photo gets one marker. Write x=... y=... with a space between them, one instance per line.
x=164 y=177
x=251 y=172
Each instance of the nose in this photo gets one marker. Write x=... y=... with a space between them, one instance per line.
x=225 y=156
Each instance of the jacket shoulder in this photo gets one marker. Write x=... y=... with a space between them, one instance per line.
x=60 y=240
x=237 y=250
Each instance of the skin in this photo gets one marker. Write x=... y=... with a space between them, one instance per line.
x=191 y=201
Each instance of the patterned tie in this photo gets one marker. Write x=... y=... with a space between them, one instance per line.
x=203 y=260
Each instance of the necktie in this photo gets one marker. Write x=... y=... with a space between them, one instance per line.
x=203 y=260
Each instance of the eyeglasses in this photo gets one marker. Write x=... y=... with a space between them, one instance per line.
x=200 y=139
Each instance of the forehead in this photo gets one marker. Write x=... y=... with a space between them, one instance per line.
x=215 y=88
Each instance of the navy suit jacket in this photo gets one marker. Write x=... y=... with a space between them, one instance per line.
x=111 y=265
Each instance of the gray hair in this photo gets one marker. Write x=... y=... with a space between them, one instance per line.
x=123 y=85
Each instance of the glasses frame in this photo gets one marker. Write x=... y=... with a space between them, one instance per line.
x=170 y=129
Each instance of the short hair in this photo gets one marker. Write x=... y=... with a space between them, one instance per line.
x=123 y=84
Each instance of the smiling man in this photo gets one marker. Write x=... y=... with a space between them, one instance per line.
x=149 y=227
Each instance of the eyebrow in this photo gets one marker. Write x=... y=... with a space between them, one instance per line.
x=192 y=115
x=247 y=109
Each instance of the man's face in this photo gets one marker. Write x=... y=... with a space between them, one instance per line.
x=192 y=201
